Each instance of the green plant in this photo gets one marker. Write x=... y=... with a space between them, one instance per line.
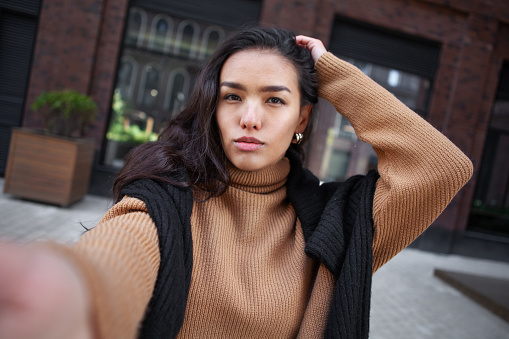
x=67 y=113
x=131 y=134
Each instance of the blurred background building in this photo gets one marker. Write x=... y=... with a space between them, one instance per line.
x=448 y=60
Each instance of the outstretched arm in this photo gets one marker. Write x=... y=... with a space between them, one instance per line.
x=42 y=295
x=99 y=288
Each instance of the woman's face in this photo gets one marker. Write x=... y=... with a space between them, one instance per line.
x=258 y=108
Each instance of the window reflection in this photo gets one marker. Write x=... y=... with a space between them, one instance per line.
x=339 y=154
x=177 y=89
x=136 y=27
x=127 y=76
x=150 y=86
x=161 y=56
x=160 y=33
x=211 y=39
x=394 y=78
x=187 y=39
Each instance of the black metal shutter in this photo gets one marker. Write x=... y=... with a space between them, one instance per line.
x=18 y=26
x=229 y=13
x=384 y=47
x=503 y=84
x=30 y=7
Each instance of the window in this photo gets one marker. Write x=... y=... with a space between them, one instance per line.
x=394 y=78
x=127 y=76
x=337 y=153
x=490 y=207
x=136 y=27
x=413 y=90
x=160 y=33
x=149 y=88
x=187 y=39
x=176 y=91
x=211 y=38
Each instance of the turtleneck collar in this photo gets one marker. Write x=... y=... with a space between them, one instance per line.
x=262 y=181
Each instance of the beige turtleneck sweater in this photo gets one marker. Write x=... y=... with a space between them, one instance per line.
x=250 y=276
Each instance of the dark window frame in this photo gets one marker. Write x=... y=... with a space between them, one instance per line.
x=478 y=219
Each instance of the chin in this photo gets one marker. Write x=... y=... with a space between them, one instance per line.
x=251 y=164
x=248 y=166
x=248 y=163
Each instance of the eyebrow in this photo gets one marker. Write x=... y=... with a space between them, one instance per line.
x=274 y=88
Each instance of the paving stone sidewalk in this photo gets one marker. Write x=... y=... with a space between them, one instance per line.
x=408 y=302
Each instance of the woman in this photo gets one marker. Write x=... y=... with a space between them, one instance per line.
x=218 y=231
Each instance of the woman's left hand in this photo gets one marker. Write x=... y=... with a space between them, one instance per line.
x=42 y=295
x=315 y=46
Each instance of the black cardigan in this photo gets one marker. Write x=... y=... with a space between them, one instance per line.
x=337 y=224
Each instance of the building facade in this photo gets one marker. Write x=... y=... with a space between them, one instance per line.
x=447 y=60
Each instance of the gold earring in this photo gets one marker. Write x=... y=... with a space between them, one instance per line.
x=297 y=138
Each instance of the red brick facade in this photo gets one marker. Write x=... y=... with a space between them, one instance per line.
x=78 y=45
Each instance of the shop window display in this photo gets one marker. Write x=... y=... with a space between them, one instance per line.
x=160 y=58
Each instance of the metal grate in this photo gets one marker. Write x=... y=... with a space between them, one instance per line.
x=17 y=36
x=30 y=7
x=385 y=47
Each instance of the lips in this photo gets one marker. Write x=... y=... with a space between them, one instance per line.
x=248 y=143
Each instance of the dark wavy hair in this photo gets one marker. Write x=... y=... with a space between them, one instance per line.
x=191 y=141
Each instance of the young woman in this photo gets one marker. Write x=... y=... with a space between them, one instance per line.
x=218 y=231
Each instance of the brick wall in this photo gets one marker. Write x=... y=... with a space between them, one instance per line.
x=104 y=75
x=76 y=48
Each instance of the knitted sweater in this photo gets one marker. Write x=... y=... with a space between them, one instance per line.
x=420 y=172
x=334 y=219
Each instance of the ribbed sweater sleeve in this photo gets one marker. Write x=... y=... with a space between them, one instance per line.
x=119 y=259
x=420 y=169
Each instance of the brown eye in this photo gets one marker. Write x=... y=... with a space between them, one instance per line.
x=275 y=100
x=232 y=97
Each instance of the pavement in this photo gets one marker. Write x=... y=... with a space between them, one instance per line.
x=408 y=300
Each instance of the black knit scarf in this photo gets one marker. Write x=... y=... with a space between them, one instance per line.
x=337 y=223
x=170 y=208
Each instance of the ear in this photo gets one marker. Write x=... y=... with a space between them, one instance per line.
x=303 y=118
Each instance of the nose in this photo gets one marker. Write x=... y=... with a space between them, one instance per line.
x=251 y=117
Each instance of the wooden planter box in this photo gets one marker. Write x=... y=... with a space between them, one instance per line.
x=46 y=168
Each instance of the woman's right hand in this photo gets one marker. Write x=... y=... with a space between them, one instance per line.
x=42 y=295
x=315 y=46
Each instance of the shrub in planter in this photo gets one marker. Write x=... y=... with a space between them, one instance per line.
x=53 y=165
x=66 y=113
